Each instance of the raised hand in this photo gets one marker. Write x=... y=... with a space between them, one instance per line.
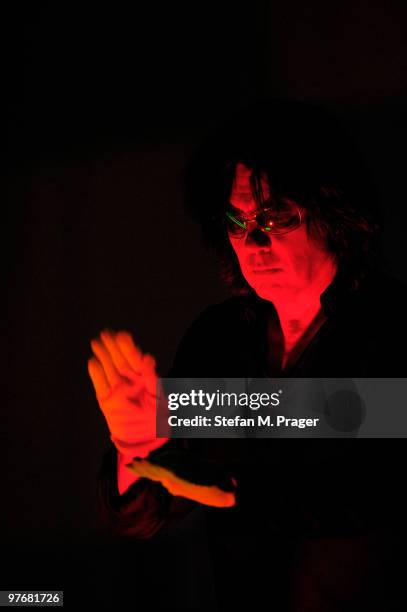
x=125 y=383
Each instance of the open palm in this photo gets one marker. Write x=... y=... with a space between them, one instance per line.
x=125 y=383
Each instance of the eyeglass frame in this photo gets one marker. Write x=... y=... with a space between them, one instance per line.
x=265 y=230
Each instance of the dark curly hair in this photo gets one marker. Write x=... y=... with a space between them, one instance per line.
x=307 y=155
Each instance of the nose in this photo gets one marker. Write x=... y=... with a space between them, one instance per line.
x=258 y=238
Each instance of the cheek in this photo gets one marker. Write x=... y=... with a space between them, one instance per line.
x=240 y=252
x=236 y=246
x=296 y=247
x=307 y=257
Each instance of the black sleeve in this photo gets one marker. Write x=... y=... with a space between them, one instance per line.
x=147 y=507
x=143 y=510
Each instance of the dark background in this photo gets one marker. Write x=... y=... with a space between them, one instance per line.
x=104 y=105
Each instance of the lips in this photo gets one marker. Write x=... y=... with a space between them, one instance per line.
x=266 y=270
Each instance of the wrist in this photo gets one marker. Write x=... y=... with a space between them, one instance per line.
x=140 y=450
x=126 y=477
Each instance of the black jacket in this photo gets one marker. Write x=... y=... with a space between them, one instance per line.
x=312 y=487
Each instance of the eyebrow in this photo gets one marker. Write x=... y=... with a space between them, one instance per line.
x=249 y=215
x=283 y=200
x=241 y=214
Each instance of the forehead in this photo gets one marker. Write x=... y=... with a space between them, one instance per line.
x=241 y=195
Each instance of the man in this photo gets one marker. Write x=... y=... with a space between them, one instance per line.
x=287 y=204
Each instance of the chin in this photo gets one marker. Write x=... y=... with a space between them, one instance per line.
x=267 y=291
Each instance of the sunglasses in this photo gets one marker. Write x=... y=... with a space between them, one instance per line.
x=282 y=220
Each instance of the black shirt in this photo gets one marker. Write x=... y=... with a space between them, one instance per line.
x=314 y=488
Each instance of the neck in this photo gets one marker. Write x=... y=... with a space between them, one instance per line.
x=297 y=311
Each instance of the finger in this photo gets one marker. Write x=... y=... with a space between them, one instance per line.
x=119 y=360
x=149 y=373
x=106 y=361
x=129 y=350
x=209 y=495
x=98 y=377
x=144 y=469
x=148 y=363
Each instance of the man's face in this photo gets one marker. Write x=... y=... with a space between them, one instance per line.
x=275 y=266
